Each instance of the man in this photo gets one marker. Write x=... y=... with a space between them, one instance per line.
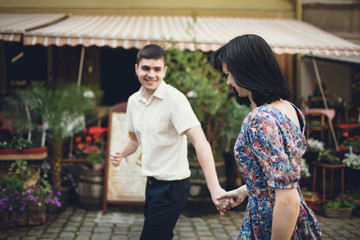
x=159 y=118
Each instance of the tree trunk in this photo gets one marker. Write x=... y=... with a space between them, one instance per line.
x=56 y=172
x=57 y=143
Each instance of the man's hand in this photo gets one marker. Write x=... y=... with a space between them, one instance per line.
x=220 y=200
x=129 y=147
x=224 y=201
x=116 y=158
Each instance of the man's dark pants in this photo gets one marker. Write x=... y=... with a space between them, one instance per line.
x=164 y=203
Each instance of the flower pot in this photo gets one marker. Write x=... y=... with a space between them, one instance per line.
x=36 y=153
x=36 y=217
x=343 y=148
x=337 y=212
x=91 y=183
x=310 y=201
x=198 y=186
x=12 y=219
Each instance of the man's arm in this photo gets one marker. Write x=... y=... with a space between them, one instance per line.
x=205 y=157
x=129 y=147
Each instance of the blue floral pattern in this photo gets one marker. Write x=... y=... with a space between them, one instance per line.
x=268 y=153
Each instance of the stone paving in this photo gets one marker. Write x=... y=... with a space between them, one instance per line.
x=78 y=224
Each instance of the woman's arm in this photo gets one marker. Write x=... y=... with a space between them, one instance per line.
x=285 y=214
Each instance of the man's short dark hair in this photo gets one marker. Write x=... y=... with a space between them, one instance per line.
x=151 y=51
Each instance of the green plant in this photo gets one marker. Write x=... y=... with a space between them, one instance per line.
x=205 y=87
x=20 y=170
x=190 y=72
x=233 y=120
x=17 y=142
x=329 y=156
x=95 y=158
x=343 y=201
x=58 y=109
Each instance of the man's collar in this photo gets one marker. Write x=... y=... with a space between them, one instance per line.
x=159 y=93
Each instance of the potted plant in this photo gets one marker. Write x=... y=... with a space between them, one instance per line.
x=229 y=133
x=25 y=197
x=208 y=94
x=90 y=147
x=311 y=198
x=210 y=97
x=330 y=157
x=18 y=147
x=314 y=147
x=59 y=110
x=353 y=142
x=352 y=160
x=304 y=169
x=341 y=206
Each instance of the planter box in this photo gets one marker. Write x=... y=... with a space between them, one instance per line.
x=33 y=217
x=338 y=212
x=25 y=154
x=37 y=217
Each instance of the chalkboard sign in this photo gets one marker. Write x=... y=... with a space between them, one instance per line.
x=123 y=184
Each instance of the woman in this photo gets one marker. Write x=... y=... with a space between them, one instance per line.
x=270 y=145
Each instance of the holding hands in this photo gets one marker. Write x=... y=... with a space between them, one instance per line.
x=224 y=201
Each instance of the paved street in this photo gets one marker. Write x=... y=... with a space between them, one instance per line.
x=198 y=222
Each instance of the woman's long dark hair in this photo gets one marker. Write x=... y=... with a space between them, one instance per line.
x=253 y=65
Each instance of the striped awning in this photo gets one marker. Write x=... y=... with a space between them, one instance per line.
x=12 y=26
x=209 y=33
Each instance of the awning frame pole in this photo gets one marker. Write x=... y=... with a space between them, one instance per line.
x=78 y=84
x=324 y=100
x=81 y=66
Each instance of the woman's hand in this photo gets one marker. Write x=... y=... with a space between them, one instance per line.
x=237 y=195
x=224 y=201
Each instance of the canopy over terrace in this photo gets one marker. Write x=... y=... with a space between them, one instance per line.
x=284 y=36
x=12 y=26
x=207 y=34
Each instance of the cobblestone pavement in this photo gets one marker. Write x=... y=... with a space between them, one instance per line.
x=76 y=223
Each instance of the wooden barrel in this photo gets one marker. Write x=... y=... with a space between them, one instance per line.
x=198 y=186
x=91 y=184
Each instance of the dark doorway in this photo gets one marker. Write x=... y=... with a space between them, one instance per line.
x=118 y=79
x=24 y=65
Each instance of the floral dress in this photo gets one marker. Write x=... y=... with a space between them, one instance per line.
x=268 y=153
